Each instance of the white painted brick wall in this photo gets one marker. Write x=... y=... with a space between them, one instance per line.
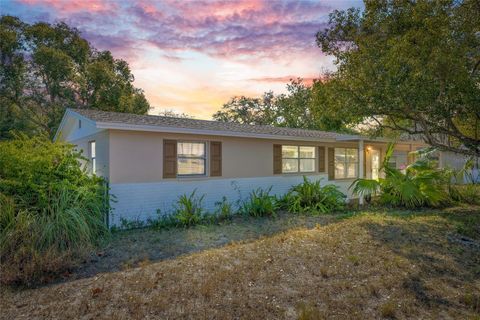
x=140 y=201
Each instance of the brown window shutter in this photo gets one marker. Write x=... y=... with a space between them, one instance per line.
x=321 y=159
x=331 y=164
x=169 y=159
x=215 y=159
x=277 y=159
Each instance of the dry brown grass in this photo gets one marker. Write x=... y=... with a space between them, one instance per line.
x=369 y=266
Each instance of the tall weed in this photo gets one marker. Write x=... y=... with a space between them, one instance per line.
x=189 y=209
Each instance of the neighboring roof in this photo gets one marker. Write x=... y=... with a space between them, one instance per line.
x=117 y=120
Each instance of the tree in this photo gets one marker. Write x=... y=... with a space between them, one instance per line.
x=409 y=66
x=46 y=68
x=174 y=114
x=259 y=111
x=295 y=109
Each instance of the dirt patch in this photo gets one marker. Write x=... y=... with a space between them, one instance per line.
x=131 y=248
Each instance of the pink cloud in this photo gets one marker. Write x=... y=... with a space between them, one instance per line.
x=231 y=28
x=71 y=6
x=176 y=47
x=285 y=79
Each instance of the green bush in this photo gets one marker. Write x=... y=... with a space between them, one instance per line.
x=421 y=185
x=311 y=197
x=467 y=193
x=462 y=186
x=189 y=210
x=223 y=210
x=162 y=221
x=51 y=212
x=259 y=203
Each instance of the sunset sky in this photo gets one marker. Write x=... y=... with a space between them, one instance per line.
x=192 y=56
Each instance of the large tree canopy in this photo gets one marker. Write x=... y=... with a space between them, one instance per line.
x=298 y=108
x=411 y=67
x=46 y=68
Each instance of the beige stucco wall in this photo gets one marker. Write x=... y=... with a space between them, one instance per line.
x=137 y=156
x=102 y=142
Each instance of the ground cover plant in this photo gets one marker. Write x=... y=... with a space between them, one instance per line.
x=387 y=263
x=51 y=212
x=259 y=203
x=313 y=198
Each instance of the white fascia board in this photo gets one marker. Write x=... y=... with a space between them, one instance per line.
x=349 y=138
x=62 y=124
x=122 y=126
x=386 y=140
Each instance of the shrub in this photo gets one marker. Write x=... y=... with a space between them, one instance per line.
x=462 y=184
x=422 y=184
x=311 y=197
x=468 y=193
x=189 y=210
x=51 y=211
x=162 y=221
x=223 y=210
x=259 y=203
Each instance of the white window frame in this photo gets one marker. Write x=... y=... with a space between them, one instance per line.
x=393 y=160
x=299 y=159
x=92 y=146
x=345 y=164
x=204 y=158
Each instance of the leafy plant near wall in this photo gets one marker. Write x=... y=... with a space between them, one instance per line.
x=189 y=209
x=311 y=197
x=259 y=203
x=422 y=184
x=462 y=184
x=51 y=212
x=223 y=210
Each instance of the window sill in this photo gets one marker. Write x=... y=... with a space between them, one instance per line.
x=344 y=179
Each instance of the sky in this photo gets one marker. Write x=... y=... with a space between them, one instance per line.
x=193 y=56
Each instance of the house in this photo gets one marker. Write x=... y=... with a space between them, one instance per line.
x=149 y=161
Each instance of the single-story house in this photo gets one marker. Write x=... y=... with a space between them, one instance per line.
x=149 y=161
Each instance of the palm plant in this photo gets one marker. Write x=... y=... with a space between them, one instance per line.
x=420 y=185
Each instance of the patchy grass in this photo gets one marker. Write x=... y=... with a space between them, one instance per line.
x=369 y=265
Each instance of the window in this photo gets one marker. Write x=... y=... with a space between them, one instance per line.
x=191 y=158
x=392 y=162
x=93 y=158
x=346 y=163
x=298 y=159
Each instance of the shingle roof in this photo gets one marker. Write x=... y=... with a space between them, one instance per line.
x=160 y=121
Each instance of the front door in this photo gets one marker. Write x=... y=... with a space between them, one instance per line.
x=375 y=165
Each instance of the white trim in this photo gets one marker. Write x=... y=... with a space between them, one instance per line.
x=205 y=158
x=366 y=139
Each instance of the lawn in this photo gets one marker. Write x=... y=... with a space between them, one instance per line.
x=372 y=264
